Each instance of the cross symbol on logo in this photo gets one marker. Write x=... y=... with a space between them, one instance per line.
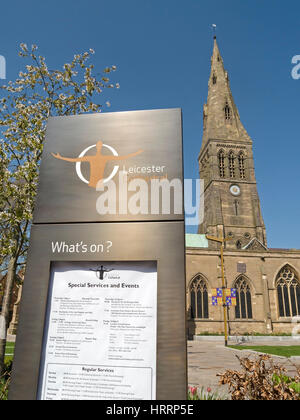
x=100 y=271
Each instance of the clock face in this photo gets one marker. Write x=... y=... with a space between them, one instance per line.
x=235 y=190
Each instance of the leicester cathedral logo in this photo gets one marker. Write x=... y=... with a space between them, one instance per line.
x=97 y=163
x=101 y=272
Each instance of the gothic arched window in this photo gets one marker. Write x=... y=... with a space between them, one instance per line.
x=243 y=309
x=214 y=79
x=231 y=160
x=227 y=112
x=199 y=298
x=288 y=292
x=221 y=156
x=242 y=165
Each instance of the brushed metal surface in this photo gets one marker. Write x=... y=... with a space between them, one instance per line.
x=66 y=212
x=156 y=241
x=64 y=198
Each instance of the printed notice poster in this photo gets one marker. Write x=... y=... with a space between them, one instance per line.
x=100 y=332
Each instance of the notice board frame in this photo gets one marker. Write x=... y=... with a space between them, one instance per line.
x=153 y=241
x=106 y=279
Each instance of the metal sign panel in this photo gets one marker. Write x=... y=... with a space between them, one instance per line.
x=81 y=150
x=68 y=231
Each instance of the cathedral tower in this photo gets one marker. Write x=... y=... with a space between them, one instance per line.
x=232 y=206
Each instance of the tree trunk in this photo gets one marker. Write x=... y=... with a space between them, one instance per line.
x=4 y=316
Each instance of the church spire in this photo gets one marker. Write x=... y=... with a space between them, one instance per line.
x=221 y=117
x=232 y=207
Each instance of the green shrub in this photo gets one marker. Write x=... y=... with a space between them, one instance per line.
x=195 y=394
x=5 y=381
x=278 y=380
x=261 y=379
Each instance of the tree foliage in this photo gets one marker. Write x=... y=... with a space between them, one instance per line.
x=25 y=107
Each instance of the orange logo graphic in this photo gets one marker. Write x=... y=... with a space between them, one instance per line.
x=97 y=163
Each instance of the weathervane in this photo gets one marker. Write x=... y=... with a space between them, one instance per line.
x=100 y=271
x=214 y=28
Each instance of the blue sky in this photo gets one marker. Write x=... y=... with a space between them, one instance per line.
x=162 y=49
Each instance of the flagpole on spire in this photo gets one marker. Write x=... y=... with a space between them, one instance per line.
x=214 y=29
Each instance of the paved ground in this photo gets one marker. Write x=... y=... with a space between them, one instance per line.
x=206 y=359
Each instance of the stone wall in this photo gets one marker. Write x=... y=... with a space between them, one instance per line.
x=262 y=269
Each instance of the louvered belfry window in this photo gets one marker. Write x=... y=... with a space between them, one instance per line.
x=242 y=165
x=231 y=159
x=221 y=164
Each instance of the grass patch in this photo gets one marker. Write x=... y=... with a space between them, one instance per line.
x=285 y=351
x=10 y=347
x=9 y=352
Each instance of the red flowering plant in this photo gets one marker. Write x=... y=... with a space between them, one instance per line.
x=200 y=394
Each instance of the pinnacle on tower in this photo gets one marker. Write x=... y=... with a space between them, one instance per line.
x=221 y=117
